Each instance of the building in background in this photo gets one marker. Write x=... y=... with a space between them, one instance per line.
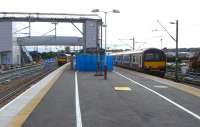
x=10 y=52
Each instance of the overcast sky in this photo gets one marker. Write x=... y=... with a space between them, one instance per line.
x=136 y=18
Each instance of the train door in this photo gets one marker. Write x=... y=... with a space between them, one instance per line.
x=130 y=59
x=118 y=59
x=121 y=59
x=140 y=61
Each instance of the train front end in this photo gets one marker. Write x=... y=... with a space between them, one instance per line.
x=154 y=61
x=61 y=59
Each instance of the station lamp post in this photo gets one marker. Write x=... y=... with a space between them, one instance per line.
x=105 y=25
x=176 y=71
x=176 y=40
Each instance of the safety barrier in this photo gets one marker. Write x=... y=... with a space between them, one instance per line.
x=89 y=63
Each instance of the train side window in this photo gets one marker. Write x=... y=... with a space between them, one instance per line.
x=133 y=59
x=138 y=59
x=118 y=58
x=121 y=58
x=126 y=58
x=130 y=59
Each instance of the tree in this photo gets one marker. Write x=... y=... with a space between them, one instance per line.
x=47 y=55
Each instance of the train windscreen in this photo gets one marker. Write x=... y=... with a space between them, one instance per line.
x=61 y=55
x=154 y=56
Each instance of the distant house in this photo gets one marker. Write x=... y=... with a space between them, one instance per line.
x=10 y=52
x=181 y=54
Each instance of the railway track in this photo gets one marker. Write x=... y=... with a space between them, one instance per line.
x=18 y=72
x=189 y=77
x=15 y=91
x=17 y=69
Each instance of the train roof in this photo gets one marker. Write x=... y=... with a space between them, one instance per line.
x=133 y=52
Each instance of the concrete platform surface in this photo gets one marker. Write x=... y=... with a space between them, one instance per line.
x=124 y=100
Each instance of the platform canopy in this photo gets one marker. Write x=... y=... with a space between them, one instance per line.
x=50 y=40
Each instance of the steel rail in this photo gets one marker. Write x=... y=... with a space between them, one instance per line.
x=19 y=68
x=18 y=73
x=23 y=87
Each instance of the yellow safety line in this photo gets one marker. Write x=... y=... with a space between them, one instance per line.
x=20 y=118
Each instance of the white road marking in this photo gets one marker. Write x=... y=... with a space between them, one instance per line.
x=78 y=110
x=160 y=86
x=160 y=95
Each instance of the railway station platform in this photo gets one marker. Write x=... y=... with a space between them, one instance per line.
x=125 y=99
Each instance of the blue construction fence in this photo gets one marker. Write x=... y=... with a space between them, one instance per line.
x=88 y=62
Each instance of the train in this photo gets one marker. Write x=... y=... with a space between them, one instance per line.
x=151 y=60
x=63 y=58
